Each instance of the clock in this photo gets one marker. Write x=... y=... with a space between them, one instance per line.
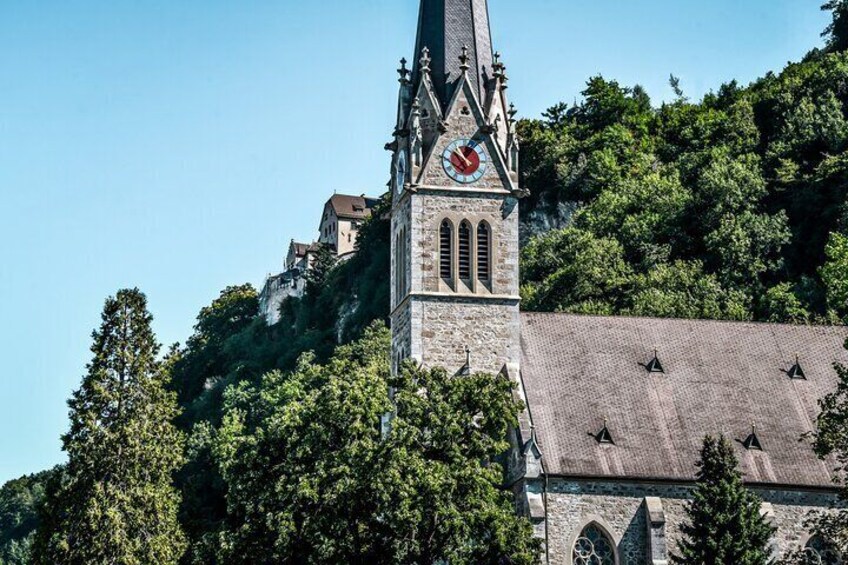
x=465 y=161
x=400 y=171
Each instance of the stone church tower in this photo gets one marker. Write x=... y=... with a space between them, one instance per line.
x=455 y=278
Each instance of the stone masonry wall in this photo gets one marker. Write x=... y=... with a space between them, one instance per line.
x=620 y=508
x=448 y=325
x=429 y=209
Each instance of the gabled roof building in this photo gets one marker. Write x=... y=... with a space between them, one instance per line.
x=603 y=459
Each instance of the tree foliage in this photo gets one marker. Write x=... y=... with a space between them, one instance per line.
x=732 y=199
x=831 y=439
x=20 y=501
x=310 y=479
x=723 y=524
x=837 y=32
x=114 y=503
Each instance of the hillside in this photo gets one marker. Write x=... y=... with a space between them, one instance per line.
x=732 y=207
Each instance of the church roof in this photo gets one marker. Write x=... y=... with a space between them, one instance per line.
x=445 y=27
x=717 y=377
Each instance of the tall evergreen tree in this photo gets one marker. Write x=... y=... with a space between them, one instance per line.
x=724 y=523
x=837 y=32
x=115 y=504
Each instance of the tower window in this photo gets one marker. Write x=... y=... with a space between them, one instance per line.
x=446 y=251
x=484 y=252
x=465 y=251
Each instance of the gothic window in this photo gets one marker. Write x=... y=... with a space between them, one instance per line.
x=446 y=251
x=594 y=547
x=484 y=252
x=819 y=552
x=465 y=251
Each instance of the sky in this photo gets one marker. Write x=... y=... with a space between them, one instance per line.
x=179 y=146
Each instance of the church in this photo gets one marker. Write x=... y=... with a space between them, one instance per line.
x=603 y=459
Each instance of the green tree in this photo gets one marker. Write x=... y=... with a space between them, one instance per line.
x=831 y=439
x=20 y=500
x=574 y=271
x=312 y=481
x=723 y=524
x=834 y=274
x=115 y=503
x=837 y=32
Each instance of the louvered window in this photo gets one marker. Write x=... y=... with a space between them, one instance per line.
x=446 y=251
x=484 y=252
x=465 y=251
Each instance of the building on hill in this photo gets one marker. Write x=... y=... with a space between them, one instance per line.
x=616 y=408
x=340 y=223
x=339 y=229
x=290 y=283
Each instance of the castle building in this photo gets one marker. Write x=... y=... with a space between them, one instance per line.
x=339 y=228
x=616 y=408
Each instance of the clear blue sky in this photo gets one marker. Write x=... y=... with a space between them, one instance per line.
x=178 y=146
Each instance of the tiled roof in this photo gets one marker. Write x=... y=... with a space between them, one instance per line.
x=352 y=207
x=300 y=249
x=719 y=377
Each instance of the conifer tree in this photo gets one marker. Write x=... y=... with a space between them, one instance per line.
x=115 y=504
x=837 y=32
x=724 y=524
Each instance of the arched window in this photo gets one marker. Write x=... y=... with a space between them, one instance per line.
x=465 y=251
x=819 y=552
x=446 y=252
x=594 y=547
x=484 y=252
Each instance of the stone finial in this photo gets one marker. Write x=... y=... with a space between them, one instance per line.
x=425 y=61
x=403 y=72
x=512 y=113
x=498 y=68
x=465 y=371
x=463 y=59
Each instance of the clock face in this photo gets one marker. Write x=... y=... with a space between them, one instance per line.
x=400 y=172
x=465 y=161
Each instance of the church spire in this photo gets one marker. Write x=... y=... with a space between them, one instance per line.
x=445 y=27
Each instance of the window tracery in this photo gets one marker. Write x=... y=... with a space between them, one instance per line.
x=593 y=547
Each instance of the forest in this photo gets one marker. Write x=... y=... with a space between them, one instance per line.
x=731 y=207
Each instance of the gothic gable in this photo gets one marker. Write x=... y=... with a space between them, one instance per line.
x=465 y=119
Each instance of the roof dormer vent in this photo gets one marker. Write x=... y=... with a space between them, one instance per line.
x=604 y=437
x=752 y=442
x=797 y=372
x=654 y=366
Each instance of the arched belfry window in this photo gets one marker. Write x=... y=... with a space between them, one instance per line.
x=465 y=251
x=594 y=547
x=484 y=253
x=446 y=251
x=819 y=552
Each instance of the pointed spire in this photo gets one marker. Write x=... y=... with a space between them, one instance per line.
x=463 y=60
x=403 y=72
x=512 y=113
x=424 y=61
x=446 y=26
x=465 y=371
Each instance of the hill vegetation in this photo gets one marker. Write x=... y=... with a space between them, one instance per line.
x=733 y=207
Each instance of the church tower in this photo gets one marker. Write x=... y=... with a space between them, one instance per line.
x=455 y=285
